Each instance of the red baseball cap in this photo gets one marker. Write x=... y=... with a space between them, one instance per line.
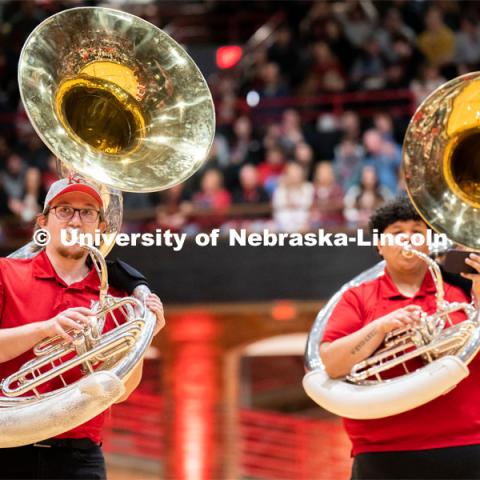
x=72 y=183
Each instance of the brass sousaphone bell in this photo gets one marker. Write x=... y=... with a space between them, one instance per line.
x=121 y=103
x=441 y=161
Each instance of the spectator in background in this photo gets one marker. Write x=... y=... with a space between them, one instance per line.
x=170 y=214
x=164 y=220
x=210 y=205
x=292 y=200
x=395 y=77
x=392 y=28
x=212 y=195
x=272 y=136
x=331 y=131
x=28 y=207
x=224 y=87
x=385 y=156
x=270 y=170
x=291 y=133
x=369 y=69
x=413 y=13
x=13 y=177
x=437 y=41
x=312 y=26
x=23 y=127
x=339 y=45
x=350 y=126
x=365 y=197
x=274 y=87
x=50 y=175
x=467 y=41
x=252 y=73
x=328 y=135
x=250 y=190
x=286 y=54
x=327 y=206
x=34 y=152
x=384 y=124
x=303 y=155
x=226 y=110
x=347 y=162
x=403 y=66
x=430 y=79
x=219 y=154
x=325 y=73
x=223 y=83
x=356 y=24
x=244 y=146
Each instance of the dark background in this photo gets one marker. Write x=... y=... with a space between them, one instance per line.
x=230 y=274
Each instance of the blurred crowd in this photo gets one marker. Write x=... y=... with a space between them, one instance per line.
x=287 y=170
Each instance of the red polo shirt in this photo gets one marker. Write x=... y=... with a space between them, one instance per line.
x=31 y=291
x=450 y=420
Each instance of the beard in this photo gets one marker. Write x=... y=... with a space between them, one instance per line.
x=73 y=253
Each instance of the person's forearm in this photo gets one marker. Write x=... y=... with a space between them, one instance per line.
x=17 y=340
x=341 y=355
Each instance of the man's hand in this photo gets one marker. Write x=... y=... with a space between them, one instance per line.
x=474 y=261
x=76 y=318
x=154 y=304
x=402 y=317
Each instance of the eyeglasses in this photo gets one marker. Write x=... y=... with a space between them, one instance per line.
x=66 y=213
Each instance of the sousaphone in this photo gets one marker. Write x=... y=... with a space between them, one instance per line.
x=121 y=103
x=441 y=160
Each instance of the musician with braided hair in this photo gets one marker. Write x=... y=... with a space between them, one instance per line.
x=440 y=439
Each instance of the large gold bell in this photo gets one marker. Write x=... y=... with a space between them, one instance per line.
x=116 y=99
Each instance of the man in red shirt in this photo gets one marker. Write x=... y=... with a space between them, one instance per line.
x=46 y=296
x=440 y=439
